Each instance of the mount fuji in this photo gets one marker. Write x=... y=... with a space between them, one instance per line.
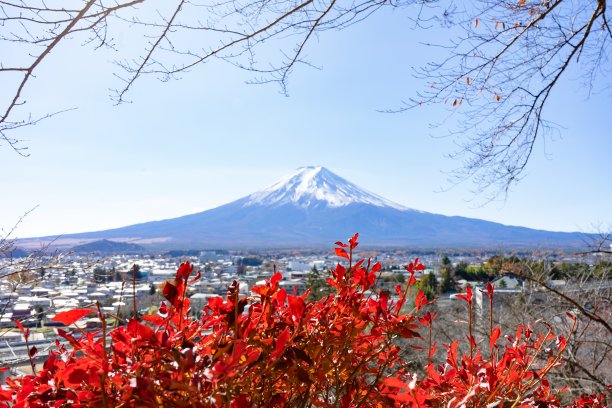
x=315 y=207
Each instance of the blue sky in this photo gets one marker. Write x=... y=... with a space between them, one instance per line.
x=209 y=138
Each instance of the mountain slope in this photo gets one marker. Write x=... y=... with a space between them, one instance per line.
x=313 y=206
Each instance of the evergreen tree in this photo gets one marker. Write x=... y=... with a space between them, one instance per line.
x=129 y=275
x=461 y=270
x=432 y=282
x=446 y=263
x=429 y=285
x=448 y=282
x=100 y=275
x=317 y=284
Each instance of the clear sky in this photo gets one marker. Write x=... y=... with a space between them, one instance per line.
x=209 y=138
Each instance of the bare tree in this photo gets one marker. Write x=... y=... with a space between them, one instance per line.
x=17 y=269
x=600 y=243
x=586 y=292
x=178 y=36
x=550 y=290
x=500 y=72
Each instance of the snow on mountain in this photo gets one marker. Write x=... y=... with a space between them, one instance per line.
x=315 y=185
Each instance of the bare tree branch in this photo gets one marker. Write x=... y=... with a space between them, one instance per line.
x=500 y=74
x=181 y=36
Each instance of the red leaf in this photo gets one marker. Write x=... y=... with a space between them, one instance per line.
x=153 y=319
x=396 y=383
x=20 y=326
x=490 y=289
x=296 y=306
x=196 y=278
x=472 y=341
x=341 y=252
x=427 y=319
x=432 y=351
x=280 y=343
x=421 y=300
x=383 y=300
x=74 y=376
x=139 y=330
x=163 y=309
x=339 y=272
x=467 y=296
x=275 y=278
x=405 y=397
x=71 y=316
x=353 y=241
x=73 y=342
x=240 y=402
x=412 y=279
x=452 y=353
x=359 y=263
x=184 y=270
x=281 y=296
x=170 y=292
x=26 y=332
x=33 y=351
x=6 y=395
x=561 y=342
x=415 y=266
x=494 y=336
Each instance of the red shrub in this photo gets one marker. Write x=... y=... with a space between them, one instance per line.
x=286 y=351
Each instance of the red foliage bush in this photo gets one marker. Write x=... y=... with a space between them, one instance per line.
x=276 y=349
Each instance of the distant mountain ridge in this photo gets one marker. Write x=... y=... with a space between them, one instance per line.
x=104 y=246
x=315 y=207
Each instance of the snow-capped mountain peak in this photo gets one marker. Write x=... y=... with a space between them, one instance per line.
x=315 y=185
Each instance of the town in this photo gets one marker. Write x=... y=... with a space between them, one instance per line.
x=125 y=285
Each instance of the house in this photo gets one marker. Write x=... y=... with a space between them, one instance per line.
x=22 y=311
x=508 y=281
